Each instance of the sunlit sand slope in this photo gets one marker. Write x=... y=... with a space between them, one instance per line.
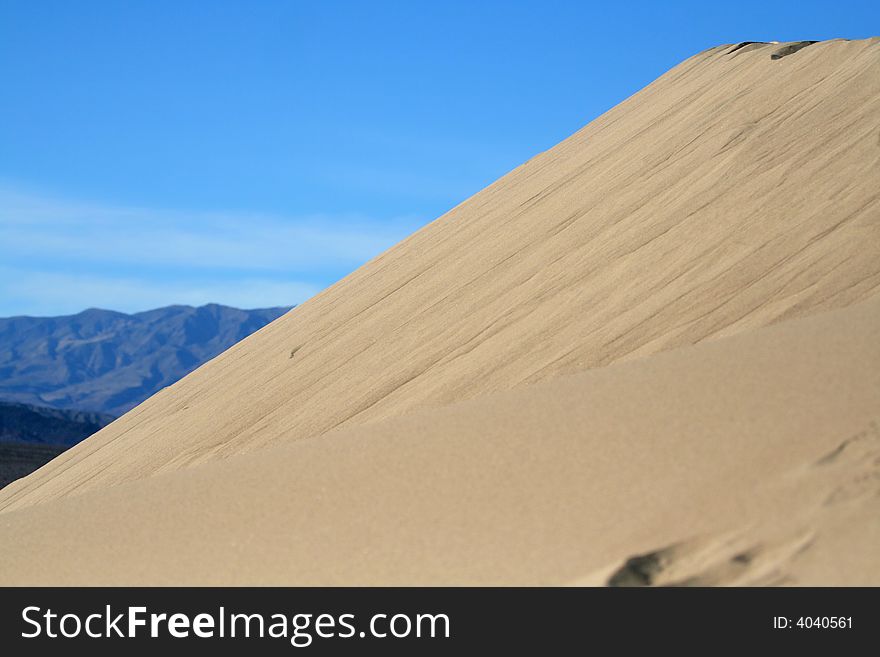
x=752 y=459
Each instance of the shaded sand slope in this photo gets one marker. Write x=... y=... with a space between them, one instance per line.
x=752 y=459
x=735 y=191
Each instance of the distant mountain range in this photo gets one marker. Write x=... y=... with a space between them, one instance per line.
x=64 y=378
x=108 y=362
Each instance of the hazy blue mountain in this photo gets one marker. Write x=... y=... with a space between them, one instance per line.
x=108 y=362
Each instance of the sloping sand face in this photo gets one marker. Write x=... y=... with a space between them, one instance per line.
x=740 y=189
x=754 y=459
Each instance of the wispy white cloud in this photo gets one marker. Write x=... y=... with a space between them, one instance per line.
x=38 y=227
x=59 y=256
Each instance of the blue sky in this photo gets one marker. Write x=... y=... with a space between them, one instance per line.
x=253 y=152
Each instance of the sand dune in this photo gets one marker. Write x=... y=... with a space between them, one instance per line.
x=459 y=410
x=752 y=459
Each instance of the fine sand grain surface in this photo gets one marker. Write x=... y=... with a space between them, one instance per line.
x=649 y=355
